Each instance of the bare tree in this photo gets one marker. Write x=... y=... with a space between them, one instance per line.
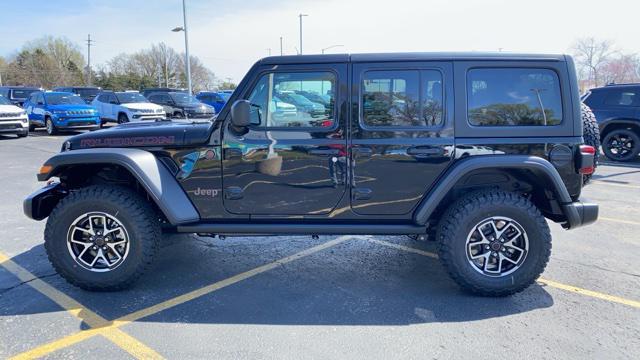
x=591 y=55
x=622 y=69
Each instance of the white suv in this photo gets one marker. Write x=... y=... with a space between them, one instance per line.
x=13 y=120
x=127 y=106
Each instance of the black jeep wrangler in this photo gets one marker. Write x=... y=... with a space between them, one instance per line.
x=472 y=150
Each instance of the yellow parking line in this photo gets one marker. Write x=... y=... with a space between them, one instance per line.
x=600 y=182
x=73 y=307
x=629 y=222
x=554 y=284
x=114 y=325
x=594 y=294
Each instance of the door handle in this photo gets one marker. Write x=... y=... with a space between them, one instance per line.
x=233 y=193
x=422 y=151
x=362 y=152
x=232 y=153
x=362 y=193
x=324 y=152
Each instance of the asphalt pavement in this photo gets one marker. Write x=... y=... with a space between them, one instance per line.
x=375 y=297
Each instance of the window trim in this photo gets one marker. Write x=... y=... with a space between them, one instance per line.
x=336 y=122
x=466 y=105
x=366 y=127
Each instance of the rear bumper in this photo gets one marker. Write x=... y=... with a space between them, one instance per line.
x=580 y=213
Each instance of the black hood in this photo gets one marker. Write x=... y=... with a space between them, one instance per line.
x=145 y=134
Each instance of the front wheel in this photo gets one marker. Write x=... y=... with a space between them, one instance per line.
x=621 y=145
x=102 y=237
x=122 y=118
x=494 y=243
x=51 y=127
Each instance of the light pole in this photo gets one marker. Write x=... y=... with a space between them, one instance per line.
x=331 y=47
x=301 y=16
x=186 y=44
x=269 y=51
x=281 y=53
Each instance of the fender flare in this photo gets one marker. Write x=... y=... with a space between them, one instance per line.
x=152 y=175
x=618 y=121
x=539 y=166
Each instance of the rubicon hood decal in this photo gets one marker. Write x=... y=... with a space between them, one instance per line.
x=128 y=141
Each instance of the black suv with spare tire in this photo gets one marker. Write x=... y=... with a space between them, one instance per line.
x=475 y=151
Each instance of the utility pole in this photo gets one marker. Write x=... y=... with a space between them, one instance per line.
x=269 y=51
x=281 y=53
x=301 y=16
x=186 y=44
x=89 y=44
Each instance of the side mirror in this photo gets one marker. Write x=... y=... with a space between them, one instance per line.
x=241 y=114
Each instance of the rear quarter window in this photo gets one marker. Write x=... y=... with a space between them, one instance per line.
x=622 y=98
x=513 y=97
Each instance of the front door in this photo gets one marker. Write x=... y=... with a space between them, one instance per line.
x=402 y=134
x=292 y=161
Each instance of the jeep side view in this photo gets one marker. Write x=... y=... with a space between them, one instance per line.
x=617 y=110
x=472 y=150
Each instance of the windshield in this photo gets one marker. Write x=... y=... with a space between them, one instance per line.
x=90 y=93
x=62 y=99
x=131 y=97
x=182 y=98
x=4 y=101
x=22 y=93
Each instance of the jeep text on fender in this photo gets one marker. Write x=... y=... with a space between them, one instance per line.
x=474 y=150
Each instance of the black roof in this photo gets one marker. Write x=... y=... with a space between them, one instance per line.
x=417 y=56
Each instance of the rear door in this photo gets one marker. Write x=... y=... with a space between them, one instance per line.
x=401 y=134
x=291 y=162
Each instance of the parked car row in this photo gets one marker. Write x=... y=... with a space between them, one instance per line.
x=22 y=109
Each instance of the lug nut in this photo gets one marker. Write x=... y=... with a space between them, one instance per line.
x=95 y=248
x=486 y=247
x=494 y=253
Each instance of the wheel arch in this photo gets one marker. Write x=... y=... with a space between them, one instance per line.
x=529 y=175
x=616 y=124
x=157 y=182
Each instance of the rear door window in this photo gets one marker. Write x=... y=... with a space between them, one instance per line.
x=513 y=97
x=402 y=98
x=622 y=98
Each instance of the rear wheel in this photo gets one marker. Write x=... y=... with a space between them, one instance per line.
x=494 y=243
x=621 y=145
x=51 y=127
x=102 y=237
x=178 y=115
x=23 y=134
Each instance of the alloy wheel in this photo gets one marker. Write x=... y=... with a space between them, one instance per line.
x=620 y=146
x=497 y=246
x=98 y=242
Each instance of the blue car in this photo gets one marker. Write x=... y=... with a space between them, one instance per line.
x=215 y=99
x=60 y=111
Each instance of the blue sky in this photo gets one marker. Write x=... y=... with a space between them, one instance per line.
x=228 y=36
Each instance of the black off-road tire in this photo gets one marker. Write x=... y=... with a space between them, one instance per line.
x=464 y=214
x=135 y=215
x=590 y=133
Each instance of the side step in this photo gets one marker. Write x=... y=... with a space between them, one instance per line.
x=303 y=229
